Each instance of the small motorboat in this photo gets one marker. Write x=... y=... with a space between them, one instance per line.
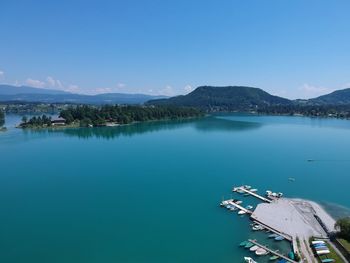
x=273 y=258
x=327 y=260
x=238 y=202
x=292 y=179
x=224 y=203
x=241 y=212
x=273 y=235
x=257 y=227
x=249 y=260
x=242 y=244
x=323 y=252
x=317 y=242
x=247 y=187
x=249 y=207
x=260 y=252
x=279 y=238
x=253 y=248
x=249 y=245
x=233 y=208
x=254 y=190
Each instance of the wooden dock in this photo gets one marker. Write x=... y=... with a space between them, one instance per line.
x=242 y=188
x=240 y=207
x=230 y=202
x=272 y=251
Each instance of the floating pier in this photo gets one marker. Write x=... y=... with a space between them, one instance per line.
x=231 y=202
x=272 y=251
x=242 y=188
x=287 y=237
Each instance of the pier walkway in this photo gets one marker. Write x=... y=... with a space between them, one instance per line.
x=288 y=237
x=230 y=202
x=242 y=188
x=272 y=251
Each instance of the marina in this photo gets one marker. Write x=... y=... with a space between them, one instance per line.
x=252 y=193
x=272 y=251
x=287 y=219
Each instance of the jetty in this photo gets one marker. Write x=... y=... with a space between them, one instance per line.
x=286 y=236
x=272 y=251
x=247 y=191
x=231 y=202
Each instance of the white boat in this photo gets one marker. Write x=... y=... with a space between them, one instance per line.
x=253 y=248
x=323 y=252
x=257 y=227
x=279 y=194
x=317 y=242
x=241 y=212
x=249 y=260
x=253 y=190
x=233 y=208
x=249 y=207
x=260 y=252
x=247 y=187
x=224 y=203
x=239 y=202
x=268 y=192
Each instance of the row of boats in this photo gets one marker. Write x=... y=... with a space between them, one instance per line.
x=259 y=251
x=320 y=248
x=257 y=227
x=229 y=204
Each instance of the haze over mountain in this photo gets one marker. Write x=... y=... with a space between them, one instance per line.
x=30 y=94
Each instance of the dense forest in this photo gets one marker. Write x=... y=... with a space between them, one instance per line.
x=343 y=226
x=229 y=98
x=2 y=117
x=335 y=111
x=99 y=116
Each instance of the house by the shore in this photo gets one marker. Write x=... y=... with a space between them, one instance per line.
x=58 y=122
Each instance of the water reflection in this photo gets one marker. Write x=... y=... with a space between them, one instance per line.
x=207 y=124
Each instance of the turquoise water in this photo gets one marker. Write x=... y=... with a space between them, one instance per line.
x=150 y=192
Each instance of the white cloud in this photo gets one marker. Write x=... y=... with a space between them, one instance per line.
x=35 y=83
x=188 y=89
x=309 y=91
x=167 y=91
x=121 y=85
x=2 y=74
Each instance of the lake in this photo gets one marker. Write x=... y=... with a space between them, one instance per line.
x=149 y=192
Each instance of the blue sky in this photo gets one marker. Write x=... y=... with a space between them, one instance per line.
x=296 y=48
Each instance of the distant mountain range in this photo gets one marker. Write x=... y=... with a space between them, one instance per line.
x=208 y=98
x=30 y=94
x=245 y=98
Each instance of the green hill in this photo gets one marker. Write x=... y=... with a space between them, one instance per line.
x=338 y=97
x=228 y=98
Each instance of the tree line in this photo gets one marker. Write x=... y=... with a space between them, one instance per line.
x=99 y=116
x=2 y=117
x=343 y=225
x=36 y=121
x=336 y=111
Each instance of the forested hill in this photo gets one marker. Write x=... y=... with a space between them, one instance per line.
x=224 y=98
x=338 y=97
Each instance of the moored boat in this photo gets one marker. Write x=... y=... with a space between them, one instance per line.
x=260 y=252
x=243 y=243
x=249 y=245
x=273 y=257
x=273 y=235
x=327 y=260
x=253 y=248
x=241 y=212
x=279 y=238
x=249 y=260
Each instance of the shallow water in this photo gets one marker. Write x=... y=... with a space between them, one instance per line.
x=149 y=192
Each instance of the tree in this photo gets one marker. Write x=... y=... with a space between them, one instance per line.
x=2 y=117
x=343 y=224
x=24 y=119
